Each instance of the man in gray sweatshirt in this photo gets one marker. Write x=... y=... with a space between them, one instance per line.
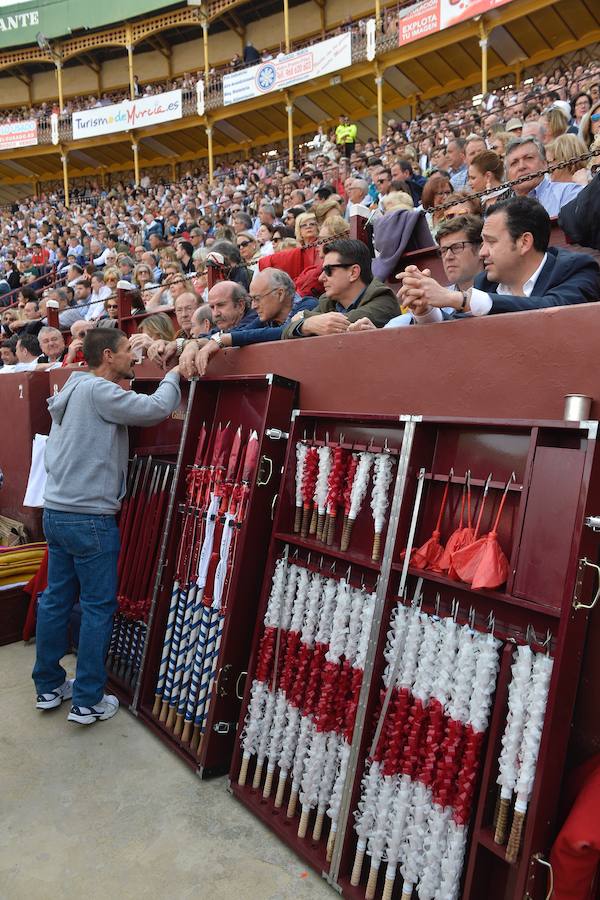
x=86 y=462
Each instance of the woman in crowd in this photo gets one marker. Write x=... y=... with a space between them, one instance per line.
x=112 y=309
x=111 y=277
x=500 y=141
x=556 y=123
x=332 y=229
x=8 y=316
x=307 y=229
x=142 y=276
x=461 y=203
x=562 y=149
x=158 y=326
x=397 y=200
x=248 y=247
x=435 y=193
x=263 y=236
x=590 y=125
x=486 y=173
x=581 y=103
x=280 y=234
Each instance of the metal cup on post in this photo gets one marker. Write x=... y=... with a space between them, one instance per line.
x=577 y=407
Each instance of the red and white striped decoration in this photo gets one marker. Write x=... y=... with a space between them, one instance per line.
x=417 y=791
x=301 y=718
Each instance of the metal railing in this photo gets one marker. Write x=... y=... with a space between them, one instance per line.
x=213 y=98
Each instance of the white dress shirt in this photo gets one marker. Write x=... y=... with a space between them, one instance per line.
x=481 y=302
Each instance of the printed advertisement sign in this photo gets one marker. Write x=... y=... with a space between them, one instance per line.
x=129 y=114
x=293 y=68
x=18 y=134
x=430 y=16
x=22 y=20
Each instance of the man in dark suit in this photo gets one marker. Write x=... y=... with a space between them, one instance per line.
x=521 y=271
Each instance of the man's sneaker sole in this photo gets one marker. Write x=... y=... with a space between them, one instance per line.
x=87 y=715
x=54 y=698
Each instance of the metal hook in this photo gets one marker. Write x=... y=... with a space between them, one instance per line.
x=348 y=573
x=455 y=608
x=321 y=562
x=295 y=553
x=326 y=437
x=547 y=642
x=362 y=581
x=371 y=442
x=386 y=448
x=437 y=604
x=530 y=635
x=491 y=622
x=472 y=618
x=341 y=438
x=332 y=568
x=308 y=558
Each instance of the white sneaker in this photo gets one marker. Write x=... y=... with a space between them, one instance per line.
x=55 y=698
x=87 y=715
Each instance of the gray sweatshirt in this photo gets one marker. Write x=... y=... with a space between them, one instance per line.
x=88 y=448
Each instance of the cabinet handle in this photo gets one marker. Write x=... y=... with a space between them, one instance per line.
x=265 y=462
x=583 y=564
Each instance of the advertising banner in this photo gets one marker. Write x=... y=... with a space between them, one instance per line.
x=286 y=70
x=129 y=114
x=18 y=134
x=21 y=21
x=431 y=16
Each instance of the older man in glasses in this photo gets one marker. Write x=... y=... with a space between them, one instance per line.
x=350 y=294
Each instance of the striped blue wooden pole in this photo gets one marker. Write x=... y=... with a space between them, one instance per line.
x=172 y=658
x=162 y=671
x=196 y=675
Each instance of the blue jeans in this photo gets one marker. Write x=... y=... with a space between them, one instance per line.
x=82 y=562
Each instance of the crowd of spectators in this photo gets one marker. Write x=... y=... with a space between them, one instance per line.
x=279 y=240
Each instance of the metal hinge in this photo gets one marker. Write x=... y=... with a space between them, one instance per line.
x=276 y=434
x=581 y=567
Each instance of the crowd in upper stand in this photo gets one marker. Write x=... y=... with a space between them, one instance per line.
x=280 y=240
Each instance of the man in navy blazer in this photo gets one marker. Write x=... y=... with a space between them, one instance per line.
x=521 y=272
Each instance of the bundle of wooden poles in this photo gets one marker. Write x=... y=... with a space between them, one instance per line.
x=141 y=525
x=215 y=507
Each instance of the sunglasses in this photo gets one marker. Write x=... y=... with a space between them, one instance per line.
x=112 y=306
x=328 y=269
x=595 y=117
x=243 y=244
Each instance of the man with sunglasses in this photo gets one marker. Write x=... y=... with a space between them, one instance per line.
x=350 y=293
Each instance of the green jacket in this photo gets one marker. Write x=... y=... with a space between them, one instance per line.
x=378 y=303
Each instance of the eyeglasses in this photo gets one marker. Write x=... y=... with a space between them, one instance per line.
x=243 y=244
x=275 y=240
x=456 y=248
x=328 y=269
x=254 y=298
x=308 y=225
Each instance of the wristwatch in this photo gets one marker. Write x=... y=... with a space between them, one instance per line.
x=179 y=345
x=217 y=338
